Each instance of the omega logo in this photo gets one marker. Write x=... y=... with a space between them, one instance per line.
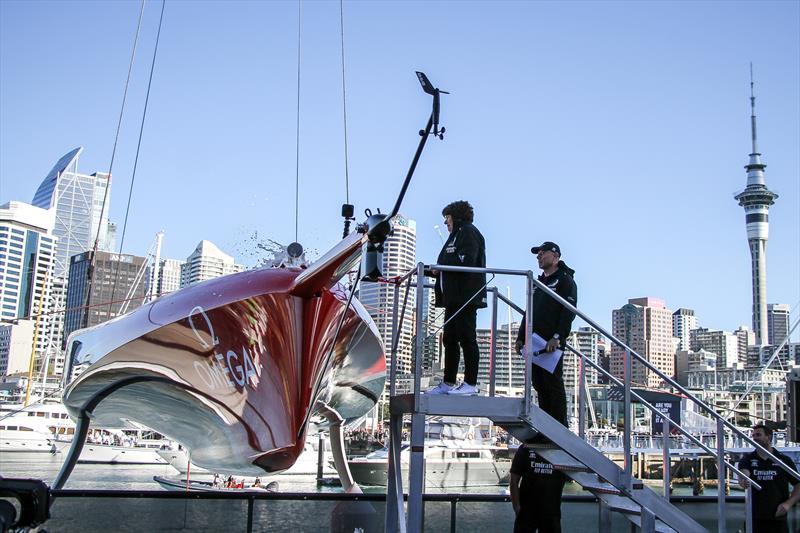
x=223 y=370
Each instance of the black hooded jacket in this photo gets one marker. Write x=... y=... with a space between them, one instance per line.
x=464 y=247
x=549 y=316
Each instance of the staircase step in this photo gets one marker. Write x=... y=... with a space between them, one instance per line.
x=591 y=483
x=631 y=510
x=620 y=504
x=561 y=460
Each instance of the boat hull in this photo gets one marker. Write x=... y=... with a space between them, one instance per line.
x=237 y=369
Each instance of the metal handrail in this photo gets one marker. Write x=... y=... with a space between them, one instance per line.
x=626 y=476
x=653 y=409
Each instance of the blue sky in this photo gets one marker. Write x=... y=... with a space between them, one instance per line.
x=617 y=129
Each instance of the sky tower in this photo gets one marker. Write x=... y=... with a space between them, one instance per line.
x=756 y=199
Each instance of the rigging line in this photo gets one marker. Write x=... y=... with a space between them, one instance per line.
x=297 y=129
x=138 y=148
x=92 y=256
x=344 y=107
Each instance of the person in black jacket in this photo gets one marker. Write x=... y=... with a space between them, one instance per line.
x=773 y=502
x=552 y=322
x=461 y=294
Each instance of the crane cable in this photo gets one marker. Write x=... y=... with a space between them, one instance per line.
x=344 y=106
x=138 y=147
x=297 y=127
x=93 y=256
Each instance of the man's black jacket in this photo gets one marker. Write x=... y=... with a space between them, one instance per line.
x=464 y=247
x=549 y=316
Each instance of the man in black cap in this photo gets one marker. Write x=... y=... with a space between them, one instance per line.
x=552 y=322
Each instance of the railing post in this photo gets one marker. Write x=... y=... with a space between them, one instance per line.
x=581 y=397
x=419 y=334
x=748 y=509
x=493 y=344
x=666 y=431
x=721 y=525
x=627 y=421
x=416 y=474
x=395 y=343
x=528 y=342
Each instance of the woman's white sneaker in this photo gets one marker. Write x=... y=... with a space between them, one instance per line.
x=465 y=389
x=441 y=388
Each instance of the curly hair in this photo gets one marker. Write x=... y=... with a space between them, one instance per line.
x=460 y=210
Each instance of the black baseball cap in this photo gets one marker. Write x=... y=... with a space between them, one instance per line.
x=546 y=245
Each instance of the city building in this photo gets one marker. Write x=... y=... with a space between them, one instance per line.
x=207 y=262
x=167 y=279
x=16 y=341
x=746 y=338
x=506 y=383
x=756 y=200
x=644 y=324
x=723 y=344
x=587 y=341
x=687 y=361
x=27 y=261
x=683 y=321
x=399 y=256
x=777 y=323
x=118 y=286
x=727 y=390
x=77 y=201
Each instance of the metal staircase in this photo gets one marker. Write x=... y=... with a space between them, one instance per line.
x=616 y=489
x=568 y=453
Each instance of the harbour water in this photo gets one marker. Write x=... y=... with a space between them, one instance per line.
x=89 y=513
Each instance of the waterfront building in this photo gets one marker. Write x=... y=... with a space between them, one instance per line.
x=690 y=361
x=683 y=321
x=399 y=256
x=507 y=383
x=756 y=200
x=16 y=341
x=725 y=389
x=27 y=262
x=644 y=324
x=207 y=262
x=777 y=323
x=166 y=279
x=433 y=320
x=722 y=343
x=746 y=338
x=118 y=286
x=587 y=341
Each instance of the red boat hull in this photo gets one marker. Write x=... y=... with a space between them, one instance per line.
x=242 y=363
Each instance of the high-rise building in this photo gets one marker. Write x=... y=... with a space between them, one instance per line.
x=506 y=383
x=399 y=256
x=78 y=202
x=118 y=286
x=432 y=322
x=723 y=344
x=777 y=323
x=587 y=341
x=27 y=252
x=746 y=338
x=207 y=262
x=169 y=278
x=644 y=324
x=16 y=339
x=756 y=200
x=683 y=321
